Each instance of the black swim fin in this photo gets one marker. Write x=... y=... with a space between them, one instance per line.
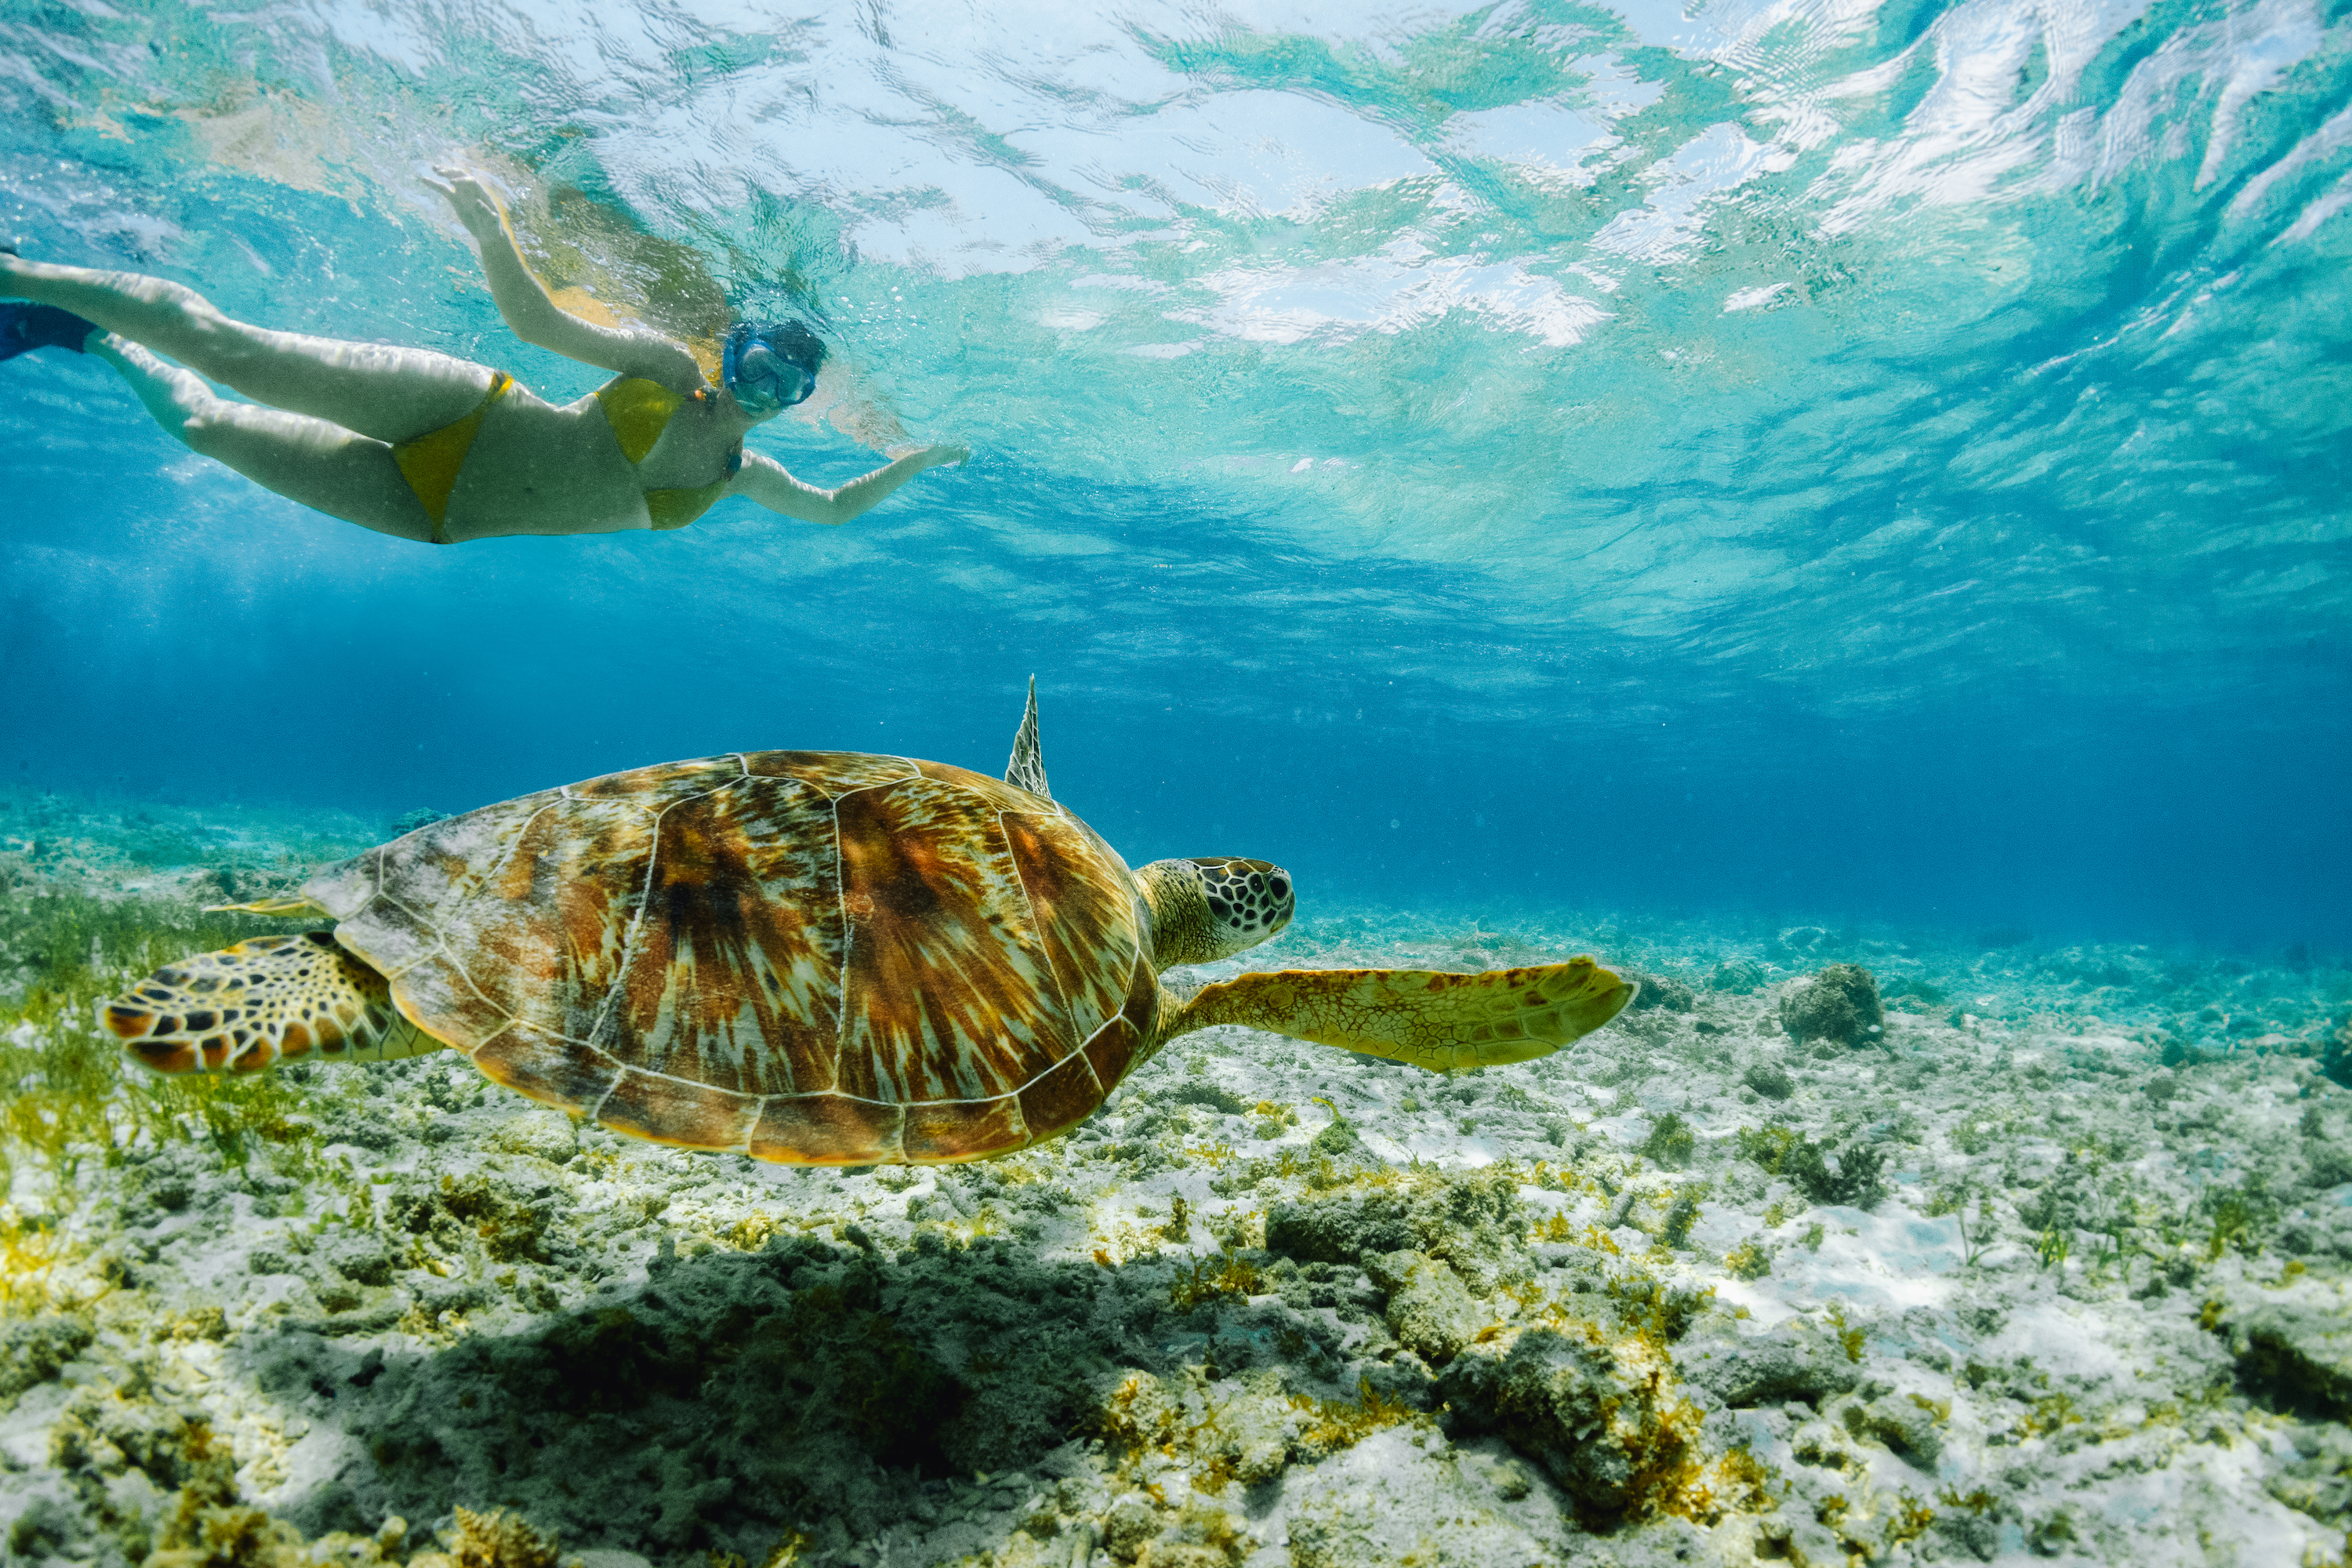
x=23 y=327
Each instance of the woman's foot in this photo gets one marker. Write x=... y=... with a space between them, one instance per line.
x=25 y=327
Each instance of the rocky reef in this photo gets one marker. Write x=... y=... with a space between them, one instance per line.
x=2052 y=1263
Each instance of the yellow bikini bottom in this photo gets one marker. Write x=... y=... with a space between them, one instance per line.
x=430 y=463
x=637 y=410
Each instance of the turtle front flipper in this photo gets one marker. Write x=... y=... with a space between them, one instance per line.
x=252 y=1006
x=1447 y=1022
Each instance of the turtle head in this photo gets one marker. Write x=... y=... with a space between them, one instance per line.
x=1211 y=907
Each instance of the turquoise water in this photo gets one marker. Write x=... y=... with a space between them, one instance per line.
x=1820 y=460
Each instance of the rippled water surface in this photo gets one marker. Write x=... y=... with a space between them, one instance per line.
x=1830 y=458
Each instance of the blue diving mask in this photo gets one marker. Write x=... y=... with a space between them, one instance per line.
x=772 y=366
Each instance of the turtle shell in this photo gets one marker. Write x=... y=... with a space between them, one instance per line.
x=812 y=957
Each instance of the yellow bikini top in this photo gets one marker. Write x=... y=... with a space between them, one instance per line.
x=639 y=411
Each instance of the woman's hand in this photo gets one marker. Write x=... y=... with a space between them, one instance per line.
x=937 y=457
x=477 y=205
x=764 y=481
x=533 y=314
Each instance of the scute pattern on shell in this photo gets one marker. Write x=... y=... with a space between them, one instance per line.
x=805 y=956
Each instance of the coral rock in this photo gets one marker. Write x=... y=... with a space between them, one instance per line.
x=1601 y=1415
x=1903 y=1424
x=1129 y=1526
x=1769 y=1368
x=545 y=1134
x=1657 y=991
x=1741 y=975
x=2300 y=1351
x=1429 y=1312
x=1839 y=1003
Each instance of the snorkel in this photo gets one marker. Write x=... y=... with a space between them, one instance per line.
x=769 y=366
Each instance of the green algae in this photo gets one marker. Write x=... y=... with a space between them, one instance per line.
x=1780 y=1150
x=1671 y=1142
x=494 y=1540
x=1226 y=1274
x=70 y=1096
x=71 y=1108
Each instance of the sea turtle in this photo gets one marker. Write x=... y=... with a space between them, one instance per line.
x=812 y=957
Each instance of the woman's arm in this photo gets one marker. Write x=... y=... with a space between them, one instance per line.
x=535 y=319
x=764 y=481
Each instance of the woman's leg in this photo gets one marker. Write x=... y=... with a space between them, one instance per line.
x=391 y=394
x=311 y=461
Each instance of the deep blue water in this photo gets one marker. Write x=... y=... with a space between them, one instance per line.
x=1810 y=462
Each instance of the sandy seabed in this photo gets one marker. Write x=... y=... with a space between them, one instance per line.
x=2050 y=1266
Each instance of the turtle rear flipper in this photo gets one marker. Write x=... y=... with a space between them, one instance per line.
x=299 y=904
x=249 y=1007
x=1443 y=1022
x=1027 y=768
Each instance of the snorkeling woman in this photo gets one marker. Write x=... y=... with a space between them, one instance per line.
x=421 y=445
